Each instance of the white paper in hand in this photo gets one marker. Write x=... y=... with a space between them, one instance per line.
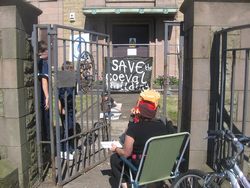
x=108 y=144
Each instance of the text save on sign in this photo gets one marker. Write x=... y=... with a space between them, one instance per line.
x=129 y=73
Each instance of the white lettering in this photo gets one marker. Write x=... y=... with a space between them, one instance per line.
x=123 y=66
x=139 y=67
x=115 y=77
x=115 y=64
x=135 y=79
x=128 y=78
x=121 y=77
x=142 y=79
x=148 y=67
x=131 y=66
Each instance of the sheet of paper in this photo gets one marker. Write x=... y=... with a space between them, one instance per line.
x=107 y=144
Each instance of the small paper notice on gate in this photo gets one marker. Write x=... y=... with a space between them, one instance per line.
x=108 y=144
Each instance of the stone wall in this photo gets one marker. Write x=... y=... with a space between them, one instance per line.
x=17 y=118
x=202 y=18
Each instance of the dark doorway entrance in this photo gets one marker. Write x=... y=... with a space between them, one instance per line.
x=125 y=36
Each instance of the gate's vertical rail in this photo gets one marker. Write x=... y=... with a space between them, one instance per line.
x=223 y=77
x=232 y=89
x=76 y=59
x=168 y=25
x=245 y=102
x=53 y=32
x=38 y=122
x=45 y=146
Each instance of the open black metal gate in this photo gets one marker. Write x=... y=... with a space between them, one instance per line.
x=229 y=99
x=75 y=76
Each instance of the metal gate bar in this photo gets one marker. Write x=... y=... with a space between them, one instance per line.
x=89 y=64
x=168 y=26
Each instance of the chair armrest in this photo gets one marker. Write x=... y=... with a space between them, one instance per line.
x=129 y=164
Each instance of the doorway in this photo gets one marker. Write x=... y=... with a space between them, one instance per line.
x=130 y=36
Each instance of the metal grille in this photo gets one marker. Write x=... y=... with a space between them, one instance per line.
x=76 y=60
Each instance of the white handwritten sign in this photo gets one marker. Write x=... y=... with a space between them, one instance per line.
x=129 y=73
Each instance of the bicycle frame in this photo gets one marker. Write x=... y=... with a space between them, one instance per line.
x=235 y=175
x=240 y=176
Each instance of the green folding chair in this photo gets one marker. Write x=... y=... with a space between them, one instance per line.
x=160 y=160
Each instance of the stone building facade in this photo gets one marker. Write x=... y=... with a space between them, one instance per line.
x=148 y=24
x=142 y=21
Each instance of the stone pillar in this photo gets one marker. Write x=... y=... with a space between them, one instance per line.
x=17 y=118
x=201 y=19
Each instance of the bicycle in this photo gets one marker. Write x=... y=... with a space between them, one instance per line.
x=228 y=174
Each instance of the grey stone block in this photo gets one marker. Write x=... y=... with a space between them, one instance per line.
x=11 y=106
x=201 y=74
x=16 y=131
x=197 y=159
x=20 y=157
x=8 y=16
x=239 y=77
x=3 y=135
x=14 y=44
x=9 y=43
x=245 y=40
x=21 y=46
x=202 y=42
x=3 y=152
x=8 y=175
x=200 y=105
x=223 y=14
x=1 y=45
x=11 y=73
x=198 y=132
x=1 y=103
x=15 y=102
x=13 y=132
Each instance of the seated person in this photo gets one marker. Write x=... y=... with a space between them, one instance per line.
x=143 y=127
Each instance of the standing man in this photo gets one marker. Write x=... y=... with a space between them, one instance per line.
x=43 y=77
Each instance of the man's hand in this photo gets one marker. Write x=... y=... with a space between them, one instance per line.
x=113 y=147
x=46 y=103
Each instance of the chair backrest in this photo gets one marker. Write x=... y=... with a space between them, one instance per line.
x=159 y=157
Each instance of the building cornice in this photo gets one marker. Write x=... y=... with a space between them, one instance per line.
x=113 y=10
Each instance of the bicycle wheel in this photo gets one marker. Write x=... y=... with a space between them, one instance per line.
x=191 y=179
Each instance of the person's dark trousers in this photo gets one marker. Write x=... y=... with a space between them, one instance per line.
x=70 y=132
x=116 y=168
x=45 y=131
x=45 y=125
